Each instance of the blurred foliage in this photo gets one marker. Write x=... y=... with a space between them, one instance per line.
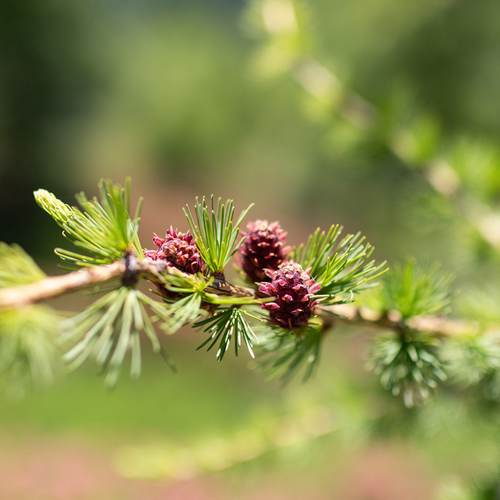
x=28 y=352
x=17 y=267
x=408 y=365
x=413 y=291
x=211 y=98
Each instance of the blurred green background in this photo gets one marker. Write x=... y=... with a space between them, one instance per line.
x=319 y=111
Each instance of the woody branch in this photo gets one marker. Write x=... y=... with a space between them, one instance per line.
x=56 y=286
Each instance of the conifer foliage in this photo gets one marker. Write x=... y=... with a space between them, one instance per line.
x=284 y=307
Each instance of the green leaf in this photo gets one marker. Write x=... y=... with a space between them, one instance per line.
x=217 y=235
x=102 y=228
x=343 y=268
x=17 y=267
x=110 y=328
x=224 y=326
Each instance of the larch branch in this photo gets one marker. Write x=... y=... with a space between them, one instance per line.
x=56 y=286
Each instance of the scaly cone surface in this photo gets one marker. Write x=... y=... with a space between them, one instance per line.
x=177 y=250
x=293 y=290
x=263 y=248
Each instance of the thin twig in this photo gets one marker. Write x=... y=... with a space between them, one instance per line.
x=56 y=286
x=432 y=325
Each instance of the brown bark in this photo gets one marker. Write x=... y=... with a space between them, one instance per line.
x=432 y=325
x=56 y=286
